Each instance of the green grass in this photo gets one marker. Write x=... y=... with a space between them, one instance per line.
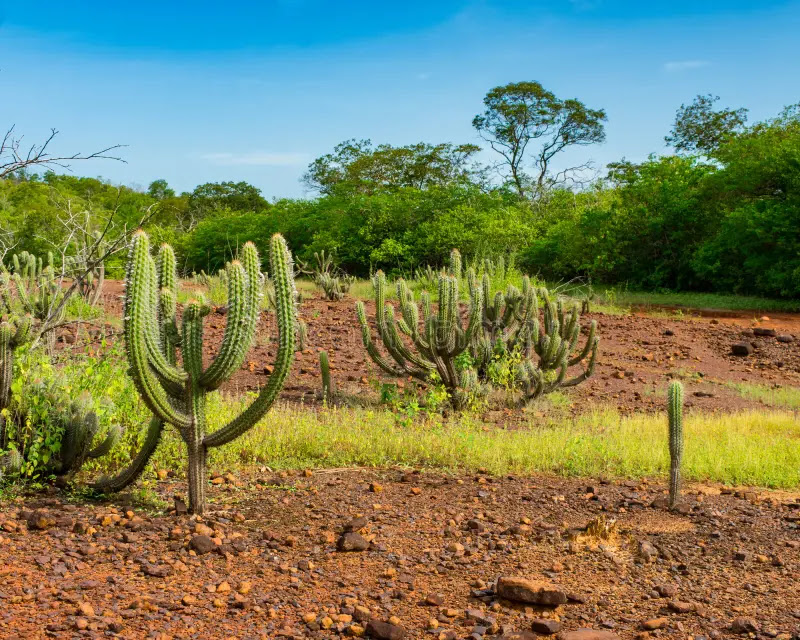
x=786 y=397
x=752 y=448
x=690 y=300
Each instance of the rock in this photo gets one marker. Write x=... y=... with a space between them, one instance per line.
x=545 y=626
x=201 y=544
x=385 y=630
x=41 y=520
x=375 y=487
x=519 y=635
x=530 y=591
x=356 y=524
x=785 y=338
x=654 y=623
x=434 y=600
x=156 y=571
x=189 y=600
x=647 y=551
x=666 y=590
x=741 y=348
x=203 y=529
x=352 y=541
x=180 y=506
x=744 y=625
x=681 y=607
x=85 y=609
x=764 y=332
x=587 y=634
x=669 y=332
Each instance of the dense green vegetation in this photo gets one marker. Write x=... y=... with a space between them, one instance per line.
x=721 y=215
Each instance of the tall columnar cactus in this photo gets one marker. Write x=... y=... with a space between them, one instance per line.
x=12 y=336
x=89 y=246
x=176 y=394
x=675 y=417
x=435 y=342
x=325 y=371
x=554 y=343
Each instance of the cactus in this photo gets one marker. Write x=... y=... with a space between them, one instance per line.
x=84 y=265
x=12 y=336
x=328 y=391
x=176 y=394
x=454 y=266
x=335 y=287
x=675 y=417
x=435 y=344
x=39 y=293
x=78 y=427
x=554 y=342
x=301 y=330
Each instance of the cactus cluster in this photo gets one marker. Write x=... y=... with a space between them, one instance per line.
x=77 y=428
x=176 y=393
x=675 y=419
x=554 y=343
x=38 y=293
x=12 y=336
x=419 y=345
x=84 y=265
x=335 y=287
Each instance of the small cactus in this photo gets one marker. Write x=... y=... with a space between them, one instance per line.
x=675 y=417
x=301 y=330
x=325 y=371
x=454 y=266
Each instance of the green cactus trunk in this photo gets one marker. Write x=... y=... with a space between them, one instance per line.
x=325 y=371
x=675 y=417
x=175 y=394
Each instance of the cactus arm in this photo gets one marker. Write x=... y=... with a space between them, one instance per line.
x=113 y=436
x=283 y=275
x=369 y=345
x=136 y=328
x=137 y=466
x=240 y=312
x=591 y=344
x=589 y=371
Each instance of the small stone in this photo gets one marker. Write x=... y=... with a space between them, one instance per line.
x=356 y=524
x=764 y=332
x=546 y=626
x=180 y=506
x=224 y=587
x=666 y=590
x=385 y=630
x=41 y=520
x=654 y=623
x=744 y=625
x=189 y=600
x=352 y=541
x=202 y=544
x=519 y=635
x=434 y=600
x=741 y=348
x=587 y=634
x=530 y=591
x=375 y=487
x=647 y=551
x=785 y=338
x=679 y=606
x=356 y=630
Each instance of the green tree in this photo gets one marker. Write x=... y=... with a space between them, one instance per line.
x=160 y=190
x=520 y=113
x=355 y=165
x=700 y=129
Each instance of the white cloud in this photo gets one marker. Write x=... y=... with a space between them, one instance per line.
x=256 y=158
x=685 y=65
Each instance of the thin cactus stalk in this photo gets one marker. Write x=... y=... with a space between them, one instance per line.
x=554 y=345
x=177 y=394
x=454 y=265
x=675 y=418
x=301 y=330
x=12 y=336
x=328 y=391
x=419 y=345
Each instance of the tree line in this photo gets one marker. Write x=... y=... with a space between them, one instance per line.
x=719 y=213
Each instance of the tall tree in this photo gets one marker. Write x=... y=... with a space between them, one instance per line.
x=160 y=190
x=519 y=113
x=358 y=166
x=700 y=129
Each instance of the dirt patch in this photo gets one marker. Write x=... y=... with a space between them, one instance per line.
x=434 y=547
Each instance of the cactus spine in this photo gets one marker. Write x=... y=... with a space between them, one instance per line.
x=437 y=340
x=675 y=417
x=325 y=371
x=177 y=394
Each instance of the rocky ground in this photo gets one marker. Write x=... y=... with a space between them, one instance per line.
x=395 y=554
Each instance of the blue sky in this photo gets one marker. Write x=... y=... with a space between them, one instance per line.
x=209 y=91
